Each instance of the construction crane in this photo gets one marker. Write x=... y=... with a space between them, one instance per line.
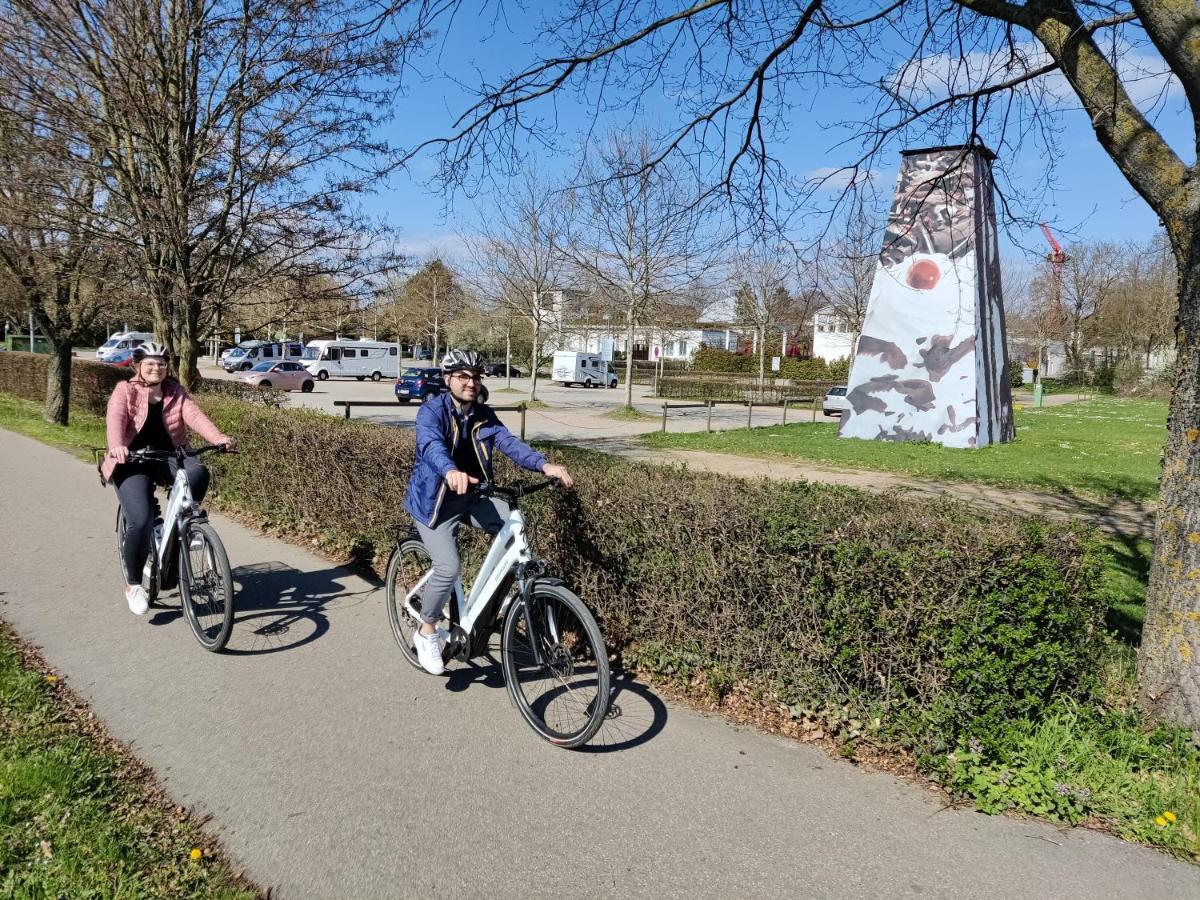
x=1058 y=260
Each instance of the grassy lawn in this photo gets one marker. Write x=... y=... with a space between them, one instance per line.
x=1105 y=447
x=25 y=417
x=78 y=816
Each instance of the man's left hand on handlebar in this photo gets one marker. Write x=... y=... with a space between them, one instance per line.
x=550 y=470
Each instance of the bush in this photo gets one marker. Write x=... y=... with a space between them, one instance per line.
x=24 y=375
x=904 y=620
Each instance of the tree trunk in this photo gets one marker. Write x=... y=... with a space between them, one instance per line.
x=533 y=369
x=629 y=358
x=762 y=355
x=189 y=360
x=58 y=385
x=1169 y=660
x=508 y=357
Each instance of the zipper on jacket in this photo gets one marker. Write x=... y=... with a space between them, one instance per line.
x=437 y=504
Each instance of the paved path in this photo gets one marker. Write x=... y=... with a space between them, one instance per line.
x=1121 y=517
x=332 y=769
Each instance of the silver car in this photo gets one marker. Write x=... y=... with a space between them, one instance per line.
x=835 y=402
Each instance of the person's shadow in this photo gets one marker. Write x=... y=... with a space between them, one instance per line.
x=276 y=607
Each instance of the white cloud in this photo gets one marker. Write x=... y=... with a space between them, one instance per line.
x=833 y=178
x=1145 y=75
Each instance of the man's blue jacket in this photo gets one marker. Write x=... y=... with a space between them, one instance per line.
x=439 y=429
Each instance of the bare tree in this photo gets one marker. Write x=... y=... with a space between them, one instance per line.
x=637 y=234
x=762 y=298
x=55 y=259
x=232 y=134
x=519 y=264
x=425 y=303
x=846 y=268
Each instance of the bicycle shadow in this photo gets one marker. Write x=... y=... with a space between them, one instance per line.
x=279 y=607
x=636 y=715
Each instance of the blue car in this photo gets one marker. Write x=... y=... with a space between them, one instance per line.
x=417 y=384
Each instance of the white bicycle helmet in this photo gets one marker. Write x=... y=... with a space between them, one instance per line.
x=148 y=349
x=458 y=360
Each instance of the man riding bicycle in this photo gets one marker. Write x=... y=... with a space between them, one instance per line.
x=456 y=436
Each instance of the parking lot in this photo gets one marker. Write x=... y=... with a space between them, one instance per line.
x=572 y=413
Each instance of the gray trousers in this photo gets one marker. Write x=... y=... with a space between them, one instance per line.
x=485 y=513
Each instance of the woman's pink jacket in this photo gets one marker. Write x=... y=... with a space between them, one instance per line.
x=130 y=404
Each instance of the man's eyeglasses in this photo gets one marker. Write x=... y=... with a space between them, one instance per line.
x=467 y=376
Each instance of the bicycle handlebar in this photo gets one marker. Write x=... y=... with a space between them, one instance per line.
x=516 y=491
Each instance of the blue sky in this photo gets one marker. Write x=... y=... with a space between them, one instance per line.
x=1092 y=200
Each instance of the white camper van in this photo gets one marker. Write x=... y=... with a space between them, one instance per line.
x=249 y=354
x=588 y=369
x=122 y=340
x=360 y=359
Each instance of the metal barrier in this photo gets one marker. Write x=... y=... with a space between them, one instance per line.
x=350 y=404
x=749 y=404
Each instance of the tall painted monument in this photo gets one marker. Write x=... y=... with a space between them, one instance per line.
x=931 y=363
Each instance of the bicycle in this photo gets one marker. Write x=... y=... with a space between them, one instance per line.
x=547 y=633
x=185 y=552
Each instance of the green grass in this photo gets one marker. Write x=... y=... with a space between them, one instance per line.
x=77 y=817
x=1104 y=765
x=1103 y=448
x=25 y=417
x=629 y=414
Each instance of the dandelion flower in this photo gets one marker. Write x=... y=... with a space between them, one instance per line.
x=1160 y=822
x=1169 y=816
x=197 y=853
x=52 y=678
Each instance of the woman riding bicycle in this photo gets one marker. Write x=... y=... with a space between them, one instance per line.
x=151 y=410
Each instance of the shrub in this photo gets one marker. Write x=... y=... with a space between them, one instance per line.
x=911 y=621
x=24 y=375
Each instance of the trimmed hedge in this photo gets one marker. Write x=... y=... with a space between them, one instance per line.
x=710 y=359
x=904 y=620
x=24 y=375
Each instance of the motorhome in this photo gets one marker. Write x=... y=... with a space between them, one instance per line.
x=243 y=358
x=589 y=369
x=361 y=359
x=121 y=341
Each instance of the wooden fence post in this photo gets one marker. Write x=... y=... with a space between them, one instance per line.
x=664 y=424
x=347 y=410
x=522 y=421
x=749 y=412
x=785 y=406
x=708 y=427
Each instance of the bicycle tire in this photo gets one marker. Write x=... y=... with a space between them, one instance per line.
x=211 y=619
x=409 y=561
x=151 y=583
x=578 y=649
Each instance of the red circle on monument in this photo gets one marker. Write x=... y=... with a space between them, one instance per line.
x=924 y=275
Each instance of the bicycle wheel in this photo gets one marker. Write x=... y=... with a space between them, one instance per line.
x=206 y=585
x=149 y=579
x=565 y=697
x=408 y=566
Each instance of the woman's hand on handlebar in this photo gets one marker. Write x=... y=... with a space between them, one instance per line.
x=460 y=482
x=550 y=470
x=120 y=454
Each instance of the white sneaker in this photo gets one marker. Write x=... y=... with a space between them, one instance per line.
x=138 y=599
x=429 y=651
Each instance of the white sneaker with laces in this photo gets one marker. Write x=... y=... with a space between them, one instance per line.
x=429 y=651
x=138 y=599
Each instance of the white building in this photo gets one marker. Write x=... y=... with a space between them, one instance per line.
x=833 y=336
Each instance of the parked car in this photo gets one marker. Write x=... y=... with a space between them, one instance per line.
x=419 y=383
x=835 y=402
x=422 y=353
x=121 y=358
x=499 y=370
x=282 y=376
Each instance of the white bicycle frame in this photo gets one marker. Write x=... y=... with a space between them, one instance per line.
x=510 y=548
x=179 y=498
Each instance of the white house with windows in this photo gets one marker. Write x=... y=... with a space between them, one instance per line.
x=715 y=327
x=833 y=337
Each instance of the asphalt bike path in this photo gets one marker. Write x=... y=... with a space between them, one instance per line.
x=331 y=768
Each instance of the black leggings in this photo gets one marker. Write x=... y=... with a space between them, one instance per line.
x=135 y=490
